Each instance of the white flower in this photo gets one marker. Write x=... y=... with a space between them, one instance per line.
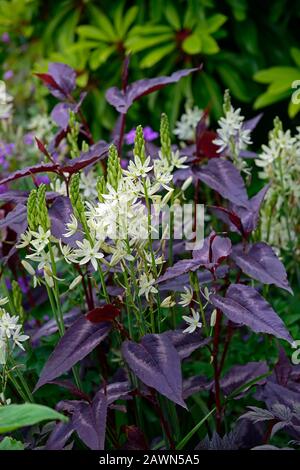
x=177 y=161
x=25 y=239
x=7 y=323
x=88 y=253
x=19 y=338
x=137 y=168
x=72 y=227
x=186 y=297
x=59 y=187
x=231 y=132
x=186 y=128
x=88 y=185
x=67 y=253
x=42 y=238
x=5 y=102
x=28 y=267
x=147 y=285
x=193 y=322
x=213 y=318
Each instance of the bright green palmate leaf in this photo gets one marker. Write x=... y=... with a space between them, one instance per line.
x=17 y=416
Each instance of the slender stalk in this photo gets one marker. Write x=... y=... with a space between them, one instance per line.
x=216 y=370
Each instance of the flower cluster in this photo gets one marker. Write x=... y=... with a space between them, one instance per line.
x=185 y=128
x=10 y=332
x=279 y=162
x=6 y=100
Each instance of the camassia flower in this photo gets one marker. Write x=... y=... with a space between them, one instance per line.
x=192 y=321
x=10 y=334
x=186 y=297
x=88 y=253
x=146 y=283
x=72 y=227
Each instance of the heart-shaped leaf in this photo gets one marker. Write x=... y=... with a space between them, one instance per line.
x=261 y=263
x=156 y=362
x=244 y=305
x=79 y=340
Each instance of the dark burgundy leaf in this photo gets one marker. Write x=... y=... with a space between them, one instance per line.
x=261 y=263
x=59 y=436
x=184 y=343
x=122 y=100
x=95 y=153
x=222 y=176
x=244 y=305
x=42 y=147
x=135 y=439
x=78 y=341
x=206 y=146
x=156 y=362
x=283 y=368
x=241 y=374
x=31 y=170
x=16 y=219
x=89 y=421
x=51 y=84
x=107 y=312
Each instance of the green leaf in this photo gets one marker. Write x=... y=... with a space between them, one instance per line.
x=8 y=443
x=274 y=74
x=173 y=17
x=246 y=35
x=209 y=45
x=265 y=99
x=295 y=53
x=100 y=55
x=186 y=439
x=293 y=109
x=17 y=416
x=233 y=80
x=150 y=29
x=103 y=22
x=192 y=44
x=137 y=44
x=129 y=19
x=215 y=22
x=156 y=55
x=91 y=32
x=280 y=86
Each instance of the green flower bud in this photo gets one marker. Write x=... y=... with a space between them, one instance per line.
x=114 y=171
x=101 y=188
x=227 y=102
x=17 y=299
x=165 y=139
x=42 y=211
x=139 y=144
x=72 y=135
x=76 y=199
x=32 y=213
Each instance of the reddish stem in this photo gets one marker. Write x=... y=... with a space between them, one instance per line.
x=216 y=370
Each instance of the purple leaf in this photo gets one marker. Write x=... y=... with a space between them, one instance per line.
x=60 y=80
x=61 y=114
x=16 y=219
x=60 y=213
x=241 y=374
x=222 y=176
x=252 y=123
x=156 y=362
x=244 y=305
x=261 y=263
x=283 y=368
x=14 y=196
x=78 y=341
x=196 y=384
x=59 y=436
x=214 y=250
x=184 y=343
x=89 y=421
x=31 y=170
x=50 y=327
x=205 y=277
x=122 y=100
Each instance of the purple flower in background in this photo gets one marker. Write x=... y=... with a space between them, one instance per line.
x=28 y=138
x=6 y=151
x=40 y=179
x=149 y=135
x=5 y=38
x=24 y=285
x=124 y=164
x=8 y=75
